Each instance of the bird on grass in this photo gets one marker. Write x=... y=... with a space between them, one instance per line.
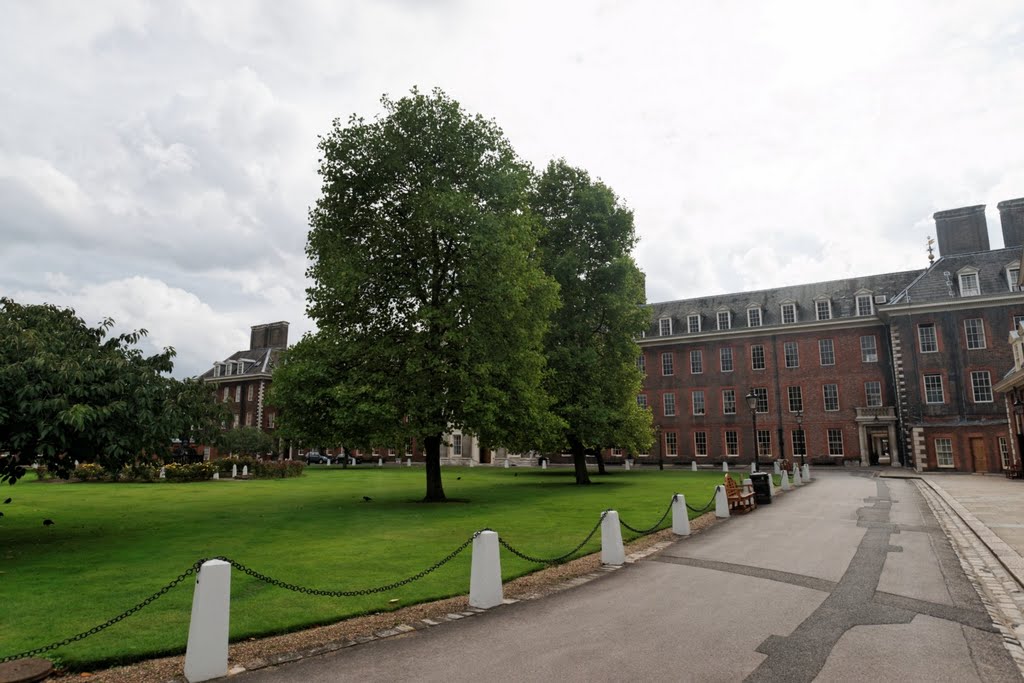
x=48 y=522
x=7 y=501
x=1 y=514
x=458 y=478
x=367 y=499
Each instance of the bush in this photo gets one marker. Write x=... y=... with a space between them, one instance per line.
x=140 y=472
x=271 y=469
x=224 y=465
x=200 y=471
x=90 y=471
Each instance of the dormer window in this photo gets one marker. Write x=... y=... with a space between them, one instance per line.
x=231 y=367
x=693 y=323
x=216 y=369
x=754 y=316
x=1013 y=276
x=724 y=320
x=865 y=304
x=823 y=309
x=665 y=327
x=788 y=311
x=969 y=284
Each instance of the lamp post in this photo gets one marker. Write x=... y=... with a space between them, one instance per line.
x=803 y=439
x=752 y=404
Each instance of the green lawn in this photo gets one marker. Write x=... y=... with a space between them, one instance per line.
x=114 y=544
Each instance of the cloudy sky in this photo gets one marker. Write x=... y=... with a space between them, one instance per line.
x=157 y=159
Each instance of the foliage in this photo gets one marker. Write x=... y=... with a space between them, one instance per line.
x=140 y=472
x=224 y=465
x=277 y=469
x=199 y=471
x=249 y=441
x=89 y=471
x=430 y=303
x=590 y=345
x=70 y=392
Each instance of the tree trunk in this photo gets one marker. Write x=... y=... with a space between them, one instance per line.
x=579 y=460
x=600 y=461
x=432 y=453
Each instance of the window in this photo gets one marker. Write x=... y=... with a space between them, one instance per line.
x=732 y=443
x=641 y=363
x=700 y=443
x=270 y=420
x=728 y=401
x=764 y=442
x=1017 y=320
x=835 y=442
x=762 y=399
x=666 y=364
x=725 y=358
x=792 y=355
x=788 y=313
x=697 y=399
x=873 y=392
x=796 y=399
x=944 y=452
x=248 y=396
x=696 y=362
x=216 y=369
x=641 y=400
x=864 y=304
x=799 y=442
x=757 y=357
x=669 y=404
x=926 y=338
x=724 y=320
x=227 y=394
x=974 y=330
x=933 y=389
x=456 y=444
x=248 y=420
x=823 y=309
x=235 y=422
x=665 y=327
x=868 y=349
x=754 y=317
x=826 y=352
x=238 y=394
x=616 y=452
x=693 y=323
x=969 y=284
x=1004 y=453
x=1013 y=277
x=981 y=382
x=671 y=448
x=831 y=392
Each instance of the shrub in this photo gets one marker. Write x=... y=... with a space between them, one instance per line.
x=200 y=471
x=140 y=472
x=90 y=471
x=224 y=465
x=271 y=469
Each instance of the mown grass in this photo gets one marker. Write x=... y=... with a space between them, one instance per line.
x=114 y=544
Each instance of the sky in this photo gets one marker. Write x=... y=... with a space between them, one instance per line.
x=158 y=159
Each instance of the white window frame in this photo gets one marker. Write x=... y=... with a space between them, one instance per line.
x=728 y=320
x=754 y=317
x=727 y=404
x=693 y=323
x=791 y=308
x=641 y=363
x=697 y=396
x=825 y=396
x=700 y=449
x=249 y=393
x=641 y=400
x=764 y=445
x=673 y=451
x=946 y=450
x=818 y=313
x=732 y=449
x=238 y=394
x=1013 y=276
x=985 y=385
x=457 y=444
x=668 y=401
x=869 y=355
x=696 y=362
x=798 y=395
x=662 y=331
x=270 y=420
x=668 y=365
x=762 y=400
x=722 y=356
x=980 y=336
x=873 y=398
x=834 y=445
x=786 y=346
x=941 y=388
x=934 y=341
x=822 y=344
x=860 y=298
x=799 y=445
x=764 y=360
x=965 y=276
x=1004 y=452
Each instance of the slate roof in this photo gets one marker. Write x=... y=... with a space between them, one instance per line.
x=934 y=285
x=842 y=294
x=262 y=361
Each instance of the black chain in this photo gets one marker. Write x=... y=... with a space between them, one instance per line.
x=560 y=558
x=348 y=594
x=706 y=507
x=656 y=524
x=96 y=629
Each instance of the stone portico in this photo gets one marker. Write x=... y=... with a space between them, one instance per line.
x=876 y=429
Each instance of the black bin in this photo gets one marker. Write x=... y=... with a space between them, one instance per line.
x=762 y=487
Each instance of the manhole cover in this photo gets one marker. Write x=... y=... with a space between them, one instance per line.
x=25 y=670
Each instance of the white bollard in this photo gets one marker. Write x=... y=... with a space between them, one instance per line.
x=76 y=464
x=216 y=475
x=796 y=476
x=806 y=472
x=408 y=462
x=506 y=463
x=680 y=518
x=472 y=463
x=380 y=462
x=721 y=502
x=693 y=466
x=725 y=467
x=485 y=574
x=245 y=470
x=163 y=472
x=626 y=463
x=206 y=655
x=785 y=480
x=234 y=471
x=352 y=461
x=612 y=551
x=544 y=464
x=778 y=468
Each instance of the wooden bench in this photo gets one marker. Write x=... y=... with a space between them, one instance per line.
x=739 y=500
x=1014 y=473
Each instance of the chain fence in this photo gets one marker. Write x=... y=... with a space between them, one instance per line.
x=560 y=558
x=705 y=508
x=657 y=524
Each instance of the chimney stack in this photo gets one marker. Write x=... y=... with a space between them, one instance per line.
x=961 y=231
x=1011 y=215
x=269 y=336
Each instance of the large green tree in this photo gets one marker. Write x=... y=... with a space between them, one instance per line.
x=246 y=441
x=426 y=283
x=73 y=392
x=587 y=248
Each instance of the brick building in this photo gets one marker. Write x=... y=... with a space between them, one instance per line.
x=894 y=369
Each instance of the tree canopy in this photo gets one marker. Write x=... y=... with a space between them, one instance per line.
x=246 y=441
x=591 y=352
x=428 y=293
x=73 y=392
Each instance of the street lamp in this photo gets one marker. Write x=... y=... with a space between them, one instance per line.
x=803 y=439
x=752 y=404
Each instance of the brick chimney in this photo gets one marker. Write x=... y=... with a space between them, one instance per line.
x=269 y=335
x=961 y=231
x=1011 y=215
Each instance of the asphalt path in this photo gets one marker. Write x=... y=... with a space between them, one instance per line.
x=850 y=578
